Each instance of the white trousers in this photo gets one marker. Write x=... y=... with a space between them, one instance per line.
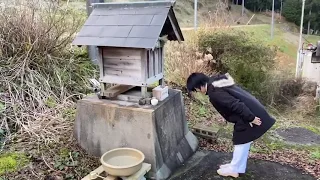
x=240 y=157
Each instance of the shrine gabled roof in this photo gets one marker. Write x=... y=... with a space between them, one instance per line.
x=132 y=25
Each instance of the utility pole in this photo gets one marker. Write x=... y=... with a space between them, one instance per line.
x=92 y=50
x=195 y=14
x=272 y=20
x=243 y=7
x=299 y=57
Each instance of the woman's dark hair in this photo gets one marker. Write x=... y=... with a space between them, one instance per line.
x=196 y=80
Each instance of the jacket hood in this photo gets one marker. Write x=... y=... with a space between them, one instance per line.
x=222 y=81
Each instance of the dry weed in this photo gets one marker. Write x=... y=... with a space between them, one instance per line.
x=305 y=105
x=38 y=78
x=182 y=60
x=220 y=18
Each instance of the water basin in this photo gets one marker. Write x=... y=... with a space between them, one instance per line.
x=122 y=161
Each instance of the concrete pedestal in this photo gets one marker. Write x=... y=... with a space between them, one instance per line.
x=160 y=132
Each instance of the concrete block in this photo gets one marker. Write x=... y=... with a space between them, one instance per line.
x=160 y=132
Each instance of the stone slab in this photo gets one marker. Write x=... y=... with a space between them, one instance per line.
x=99 y=173
x=204 y=165
x=160 y=132
x=299 y=135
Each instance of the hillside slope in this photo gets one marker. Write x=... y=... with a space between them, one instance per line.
x=206 y=9
x=184 y=10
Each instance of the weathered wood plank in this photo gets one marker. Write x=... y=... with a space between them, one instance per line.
x=116 y=90
x=144 y=91
x=122 y=80
x=156 y=61
x=144 y=60
x=100 y=60
x=122 y=64
x=123 y=72
x=144 y=72
x=162 y=60
x=175 y=29
x=159 y=61
x=154 y=79
x=122 y=53
x=151 y=64
x=161 y=81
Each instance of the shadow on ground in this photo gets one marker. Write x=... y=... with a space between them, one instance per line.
x=204 y=165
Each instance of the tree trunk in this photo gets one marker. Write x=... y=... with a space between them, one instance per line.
x=242 y=7
x=266 y=7
x=315 y=31
x=309 y=22
x=281 y=10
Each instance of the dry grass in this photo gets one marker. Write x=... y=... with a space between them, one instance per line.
x=221 y=17
x=182 y=59
x=39 y=78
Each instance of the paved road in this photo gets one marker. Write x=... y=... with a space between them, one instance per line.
x=204 y=164
x=234 y=26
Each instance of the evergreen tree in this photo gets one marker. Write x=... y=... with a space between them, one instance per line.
x=291 y=10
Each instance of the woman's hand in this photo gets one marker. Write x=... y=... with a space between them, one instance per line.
x=256 y=121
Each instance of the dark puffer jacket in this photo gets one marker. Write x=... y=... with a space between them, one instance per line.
x=239 y=107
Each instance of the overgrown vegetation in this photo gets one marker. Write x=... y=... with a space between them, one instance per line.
x=246 y=59
x=40 y=74
x=251 y=62
x=41 y=77
x=12 y=162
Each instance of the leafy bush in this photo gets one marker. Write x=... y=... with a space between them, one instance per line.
x=246 y=59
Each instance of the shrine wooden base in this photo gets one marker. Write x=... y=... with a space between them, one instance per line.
x=103 y=176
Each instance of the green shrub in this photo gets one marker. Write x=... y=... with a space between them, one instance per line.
x=243 y=57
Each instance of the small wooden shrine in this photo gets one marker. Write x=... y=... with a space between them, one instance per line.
x=130 y=38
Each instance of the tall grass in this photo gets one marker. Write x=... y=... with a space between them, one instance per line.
x=40 y=74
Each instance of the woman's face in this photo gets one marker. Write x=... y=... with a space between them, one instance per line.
x=203 y=89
